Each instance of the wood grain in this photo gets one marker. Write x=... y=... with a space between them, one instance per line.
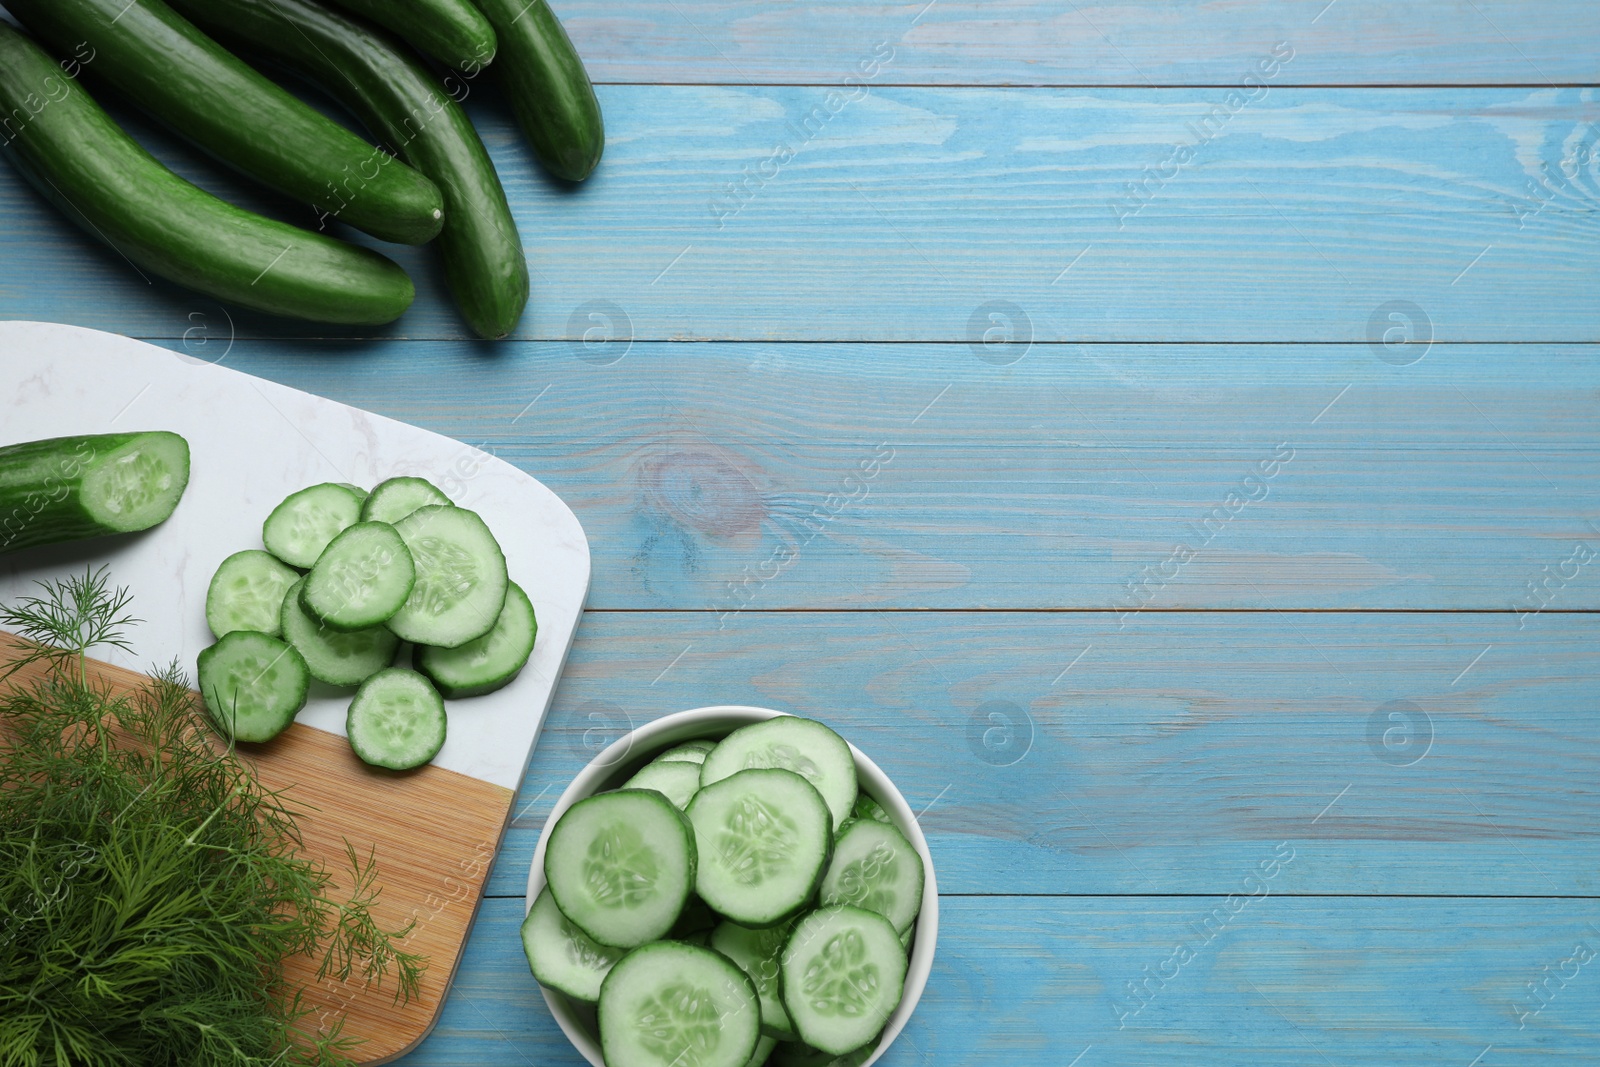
x=1159 y=758
x=1053 y=482
x=1303 y=216
x=432 y=834
x=1285 y=982
x=1132 y=42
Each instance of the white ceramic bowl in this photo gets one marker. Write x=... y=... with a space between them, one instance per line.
x=628 y=753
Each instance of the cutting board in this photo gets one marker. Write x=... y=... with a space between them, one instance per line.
x=433 y=832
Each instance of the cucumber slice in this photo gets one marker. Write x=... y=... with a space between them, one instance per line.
x=789 y=743
x=253 y=684
x=247 y=593
x=842 y=974
x=361 y=494
x=690 y=753
x=361 y=578
x=334 y=657
x=621 y=865
x=764 y=1046
x=874 y=867
x=677 y=781
x=675 y=1005
x=461 y=577
x=562 y=956
x=756 y=953
x=300 y=528
x=396 y=720
x=490 y=662
x=867 y=808
x=396 y=498
x=763 y=838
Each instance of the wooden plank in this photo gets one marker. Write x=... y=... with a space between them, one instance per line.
x=727 y=475
x=1281 y=982
x=931 y=213
x=1113 y=42
x=432 y=834
x=1163 y=757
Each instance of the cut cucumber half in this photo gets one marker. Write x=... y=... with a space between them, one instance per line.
x=842 y=974
x=247 y=593
x=763 y=838
x=621 y=865
x=676 y=781
x=562 y=956
x=253 y=684
x=334 y=657
x=396 y=720
x=396 y=498
x=461 y=577
x=790 y=743
x=688 y=753
x=675 y=1005
x=489 y=662
x=756 y=953
x=876 y=868
x=300 y=528
x=361 y=578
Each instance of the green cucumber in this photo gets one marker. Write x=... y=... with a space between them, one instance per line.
x=305 y=522
x=673 y=779
x=451 y=31
x=675 y=1005
x=763 y=837
x=401 y=101
x=159 y=61
x=334 y=657
x=461 y=577
x=246 y=593
x=562 y=956
x=541 y=74
x=876 y=868
x=81 y=161
x=252 y=684
x=791 y=743
x=621 y=866
x=360 y=579
x=692 y=752
x=756 y=952
x=489 y=662
x=396 y=720
x=69 y=488
x=842 y=973
x=392 y=500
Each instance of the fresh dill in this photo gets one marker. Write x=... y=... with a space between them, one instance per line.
x=150 y=886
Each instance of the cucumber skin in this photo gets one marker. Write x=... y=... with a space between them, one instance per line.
x=451 y=31
x=81 y=161
x=40 y=502
x=400 y=101
x=550 y=93
x=168 y=68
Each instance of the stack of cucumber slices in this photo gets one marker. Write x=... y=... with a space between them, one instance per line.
x=733 y=903
x=347 y=578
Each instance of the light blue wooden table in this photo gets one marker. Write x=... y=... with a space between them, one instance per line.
x=1182 y=419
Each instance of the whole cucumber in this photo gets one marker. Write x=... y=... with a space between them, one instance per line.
x=184 y=79
x=451 y=31
x=71 y=151
x=68 y=488
x=550 y=93
x=393 y=92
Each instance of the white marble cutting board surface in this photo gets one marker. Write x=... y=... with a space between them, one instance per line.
x=252 y=443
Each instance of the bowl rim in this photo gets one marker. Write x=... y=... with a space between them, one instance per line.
x=679 y=726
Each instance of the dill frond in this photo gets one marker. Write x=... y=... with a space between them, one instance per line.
x=150 y=886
